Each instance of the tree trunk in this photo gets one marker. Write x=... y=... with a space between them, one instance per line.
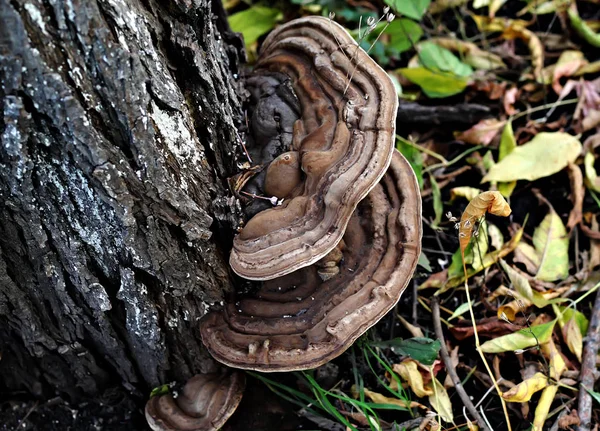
x=118 y=131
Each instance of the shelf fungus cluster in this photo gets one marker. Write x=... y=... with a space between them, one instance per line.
x=336 y=250
x=203 y=404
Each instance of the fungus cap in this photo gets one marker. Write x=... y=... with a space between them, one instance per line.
x=204 y=404
x=340 y=147
x=303 y=320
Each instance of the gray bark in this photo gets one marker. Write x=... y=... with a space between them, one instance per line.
x=117 y=136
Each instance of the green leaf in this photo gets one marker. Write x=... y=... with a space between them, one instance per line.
x=413 y=156
x=507 y=142
x=567 y=313
x=438 y=205
x=414 y=9
x=594 y=395
x=424 y=262
x=254 y=22
x=551 y=243
x=424 y=350
x=404 y=34
x=435 y=84
x=520 y=340
x=556 y=150
x=434 y=57
x=462 y=309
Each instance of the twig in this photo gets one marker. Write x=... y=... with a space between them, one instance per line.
x=243 y=146
x=437 y=325
x=588 y=367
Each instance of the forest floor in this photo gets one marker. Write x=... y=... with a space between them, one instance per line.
x=508 y=99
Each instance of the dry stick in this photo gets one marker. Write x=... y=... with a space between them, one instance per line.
x=588 y=367
x=437 y=325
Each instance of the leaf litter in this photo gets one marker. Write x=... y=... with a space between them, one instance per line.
x=503 y=102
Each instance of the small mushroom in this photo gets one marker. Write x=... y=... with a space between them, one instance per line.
x=340 y=146
x=204 y=404
x=302 y=320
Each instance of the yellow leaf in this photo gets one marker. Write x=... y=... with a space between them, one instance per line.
x=557 y=364
x=408 y=370
x=543 y=407
x=440 y=401
x=524 y=390
x=523 y=288
x=516 y=29
x=556 y=149
x=552 y=245
x=465 y=192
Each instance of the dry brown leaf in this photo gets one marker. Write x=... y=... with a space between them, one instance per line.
x=566 y=421
x=483 y=132
x=488 y=327
x=508 y=102
x=577 y=194
x=516 y=29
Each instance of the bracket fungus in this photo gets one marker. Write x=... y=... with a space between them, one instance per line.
x=340 y=127
x=204 y=404
x=308 y=317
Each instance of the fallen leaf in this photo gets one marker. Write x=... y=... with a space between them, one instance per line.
x=488 y=327
x=509 y=99
x=568 y=63
x=381 y=399
x=488 y=260
x=556 y=367
x=573 y=338
x=409 y=371
x=523 y=288
x=435 y=84
x=520 y=340
x=592 y=181
x=440 y=401
x=507 y=144
x=522 y=392
x=482 y=133
x=557 y=149
x=566 y=421
x=551 y=243
x=516 y=29
x=465 y=192
x=470 y=53
x=543 y=407
x=577 y=195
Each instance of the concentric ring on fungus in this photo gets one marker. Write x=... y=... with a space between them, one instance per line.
x=342 y=144
x=204 y=404
x=300 y=321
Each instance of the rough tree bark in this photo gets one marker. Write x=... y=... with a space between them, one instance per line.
x=117 y=134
